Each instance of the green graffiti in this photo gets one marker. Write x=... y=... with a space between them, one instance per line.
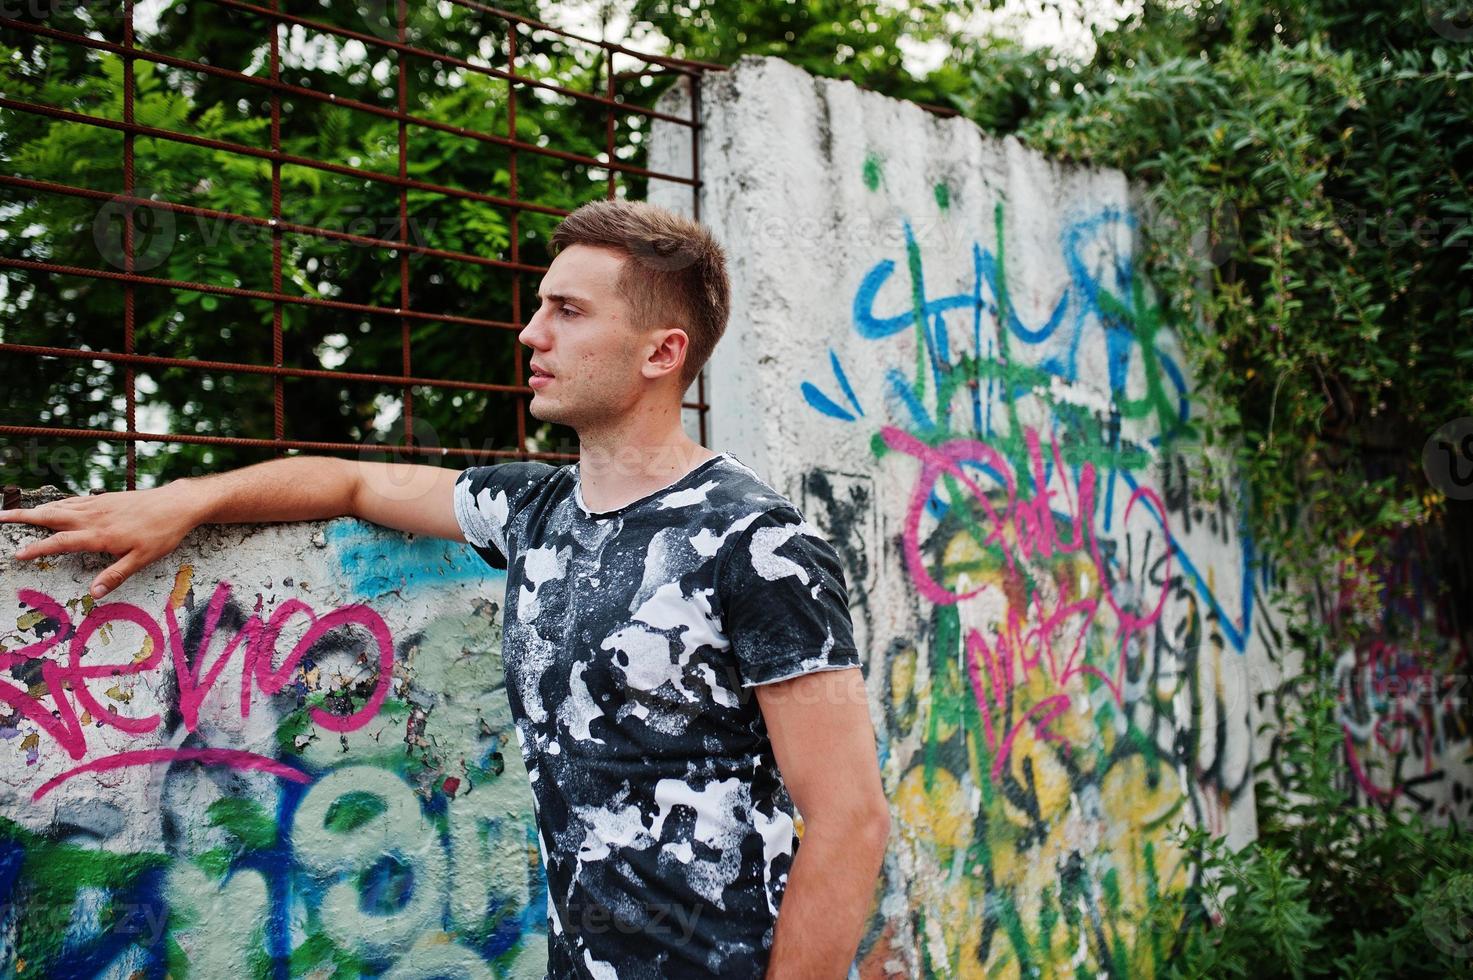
x=1012 y=800
x=52 y=885
x=407 y=834
x=873 y=172
x=1084 y=436
x=244 y=819
x=352 y=810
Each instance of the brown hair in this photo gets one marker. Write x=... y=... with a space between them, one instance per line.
x=674 y=274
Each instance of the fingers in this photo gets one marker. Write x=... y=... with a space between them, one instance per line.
x=50 y=516
x=67 y=542
x=115 y=574
x=75 y=520
x=73 y=541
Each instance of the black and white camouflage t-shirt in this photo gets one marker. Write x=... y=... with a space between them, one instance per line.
x=631 y=642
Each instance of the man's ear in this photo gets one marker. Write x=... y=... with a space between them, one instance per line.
x=667 y=355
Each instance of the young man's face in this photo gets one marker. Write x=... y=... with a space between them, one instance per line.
x=586 y=349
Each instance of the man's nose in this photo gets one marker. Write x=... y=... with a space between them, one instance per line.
x=533 y=335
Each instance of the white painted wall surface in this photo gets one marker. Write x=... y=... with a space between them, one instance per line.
x=1060 y=677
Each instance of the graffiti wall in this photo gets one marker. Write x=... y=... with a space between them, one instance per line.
x=942 y=347
x=1400 y=679
x=1403 y=692
x=283 y=751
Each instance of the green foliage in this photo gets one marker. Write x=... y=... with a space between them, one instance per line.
x=88 y=313
x=245 y=820
x=352 y=811
x=863 y=42
x=1309 y=220
x=48 y=876
x=1309 y=223
x=1327 y=889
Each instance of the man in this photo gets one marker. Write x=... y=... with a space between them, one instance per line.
x=678 y=648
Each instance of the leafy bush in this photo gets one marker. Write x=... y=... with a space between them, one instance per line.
x=1328 y=889
x=1305 y=165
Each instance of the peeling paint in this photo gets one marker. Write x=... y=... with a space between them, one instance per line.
x=264 y=780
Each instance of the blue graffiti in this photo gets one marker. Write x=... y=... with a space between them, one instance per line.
x=827 y=405
x=1104 y=297
x=376 y=560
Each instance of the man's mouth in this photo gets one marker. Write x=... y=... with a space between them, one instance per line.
x=539 y=377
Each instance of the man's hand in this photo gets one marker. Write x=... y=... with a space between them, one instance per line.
x=142 y=526
x=136 y=527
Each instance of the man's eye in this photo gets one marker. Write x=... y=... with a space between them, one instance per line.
x=568 y=311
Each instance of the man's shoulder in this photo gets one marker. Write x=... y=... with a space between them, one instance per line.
x=510 y=477
x=501 y=491
x=754 y=520
x=739 y=491
x=512 y=470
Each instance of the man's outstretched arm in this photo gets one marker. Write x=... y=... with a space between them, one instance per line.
x=825 y=747
x=141 y=526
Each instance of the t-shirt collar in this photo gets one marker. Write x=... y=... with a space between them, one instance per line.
x=679 y=481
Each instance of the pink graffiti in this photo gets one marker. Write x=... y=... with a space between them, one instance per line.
x=1397 y=700
x=1035 y=637
x=1400 y=706
x=255 y=641
x=232 y=758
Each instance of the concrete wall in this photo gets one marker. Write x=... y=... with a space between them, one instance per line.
x=1402 y=688
x=282 y=743
x=942 y=348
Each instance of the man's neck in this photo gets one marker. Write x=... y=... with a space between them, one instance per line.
x=617 y=467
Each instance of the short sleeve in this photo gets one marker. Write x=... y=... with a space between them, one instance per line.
x=785 y=606
x=486 y=500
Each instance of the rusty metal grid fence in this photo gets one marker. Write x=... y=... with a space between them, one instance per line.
x=274 y=22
